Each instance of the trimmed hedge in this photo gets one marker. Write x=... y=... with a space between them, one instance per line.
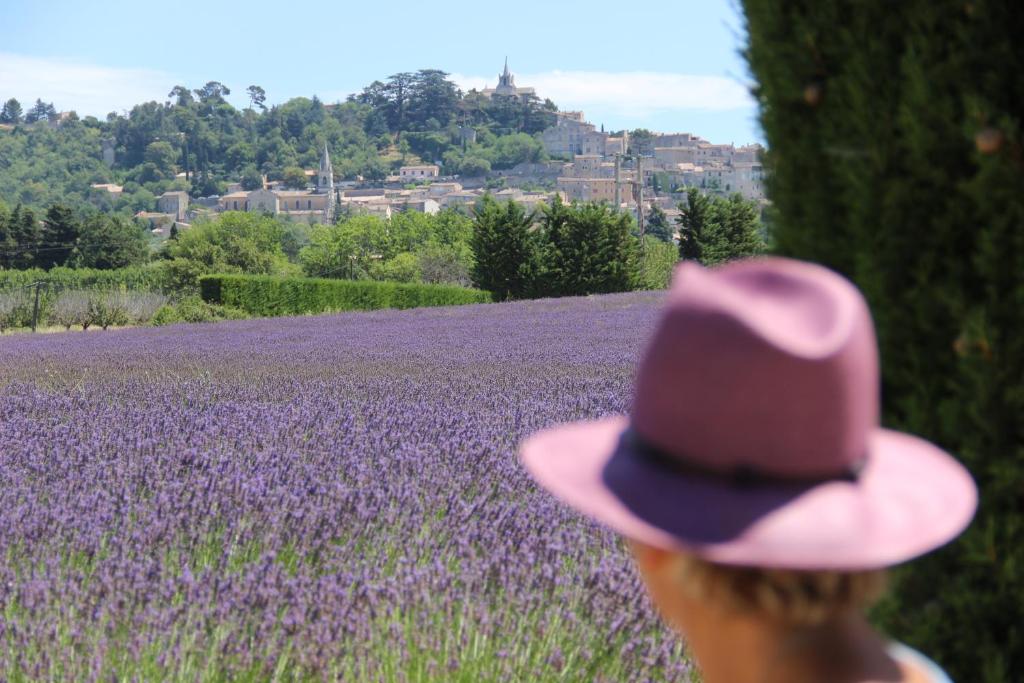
x=149 y=278
x=268 y=295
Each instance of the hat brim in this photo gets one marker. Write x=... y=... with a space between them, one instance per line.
x=910 y=498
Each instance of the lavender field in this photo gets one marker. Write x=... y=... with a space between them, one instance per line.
x=320 y=498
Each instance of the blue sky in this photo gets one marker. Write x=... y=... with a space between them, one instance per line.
x=673 y=67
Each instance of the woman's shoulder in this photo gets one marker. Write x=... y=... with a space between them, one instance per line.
x=908 y=655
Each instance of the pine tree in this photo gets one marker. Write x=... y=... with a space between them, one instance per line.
x=11 y=112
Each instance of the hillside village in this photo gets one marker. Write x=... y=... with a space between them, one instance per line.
x=587 y=164
x=583 y=163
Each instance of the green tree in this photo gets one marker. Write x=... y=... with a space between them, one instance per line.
x=252 y=179
x=11 y=112
x=333 y=252
x=162 y=155
x=212 y=91
x=732 y=231
x=59 y=237
x=589 y=249
x=24 y=235
x=658 y=226
x=236 y=242
x=257 y=97
x=911 y=185
x=295 y=178
x=692 y=220
x=506 y=253
x=108 y=242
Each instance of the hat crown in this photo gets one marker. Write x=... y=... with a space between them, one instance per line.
x=767 y=365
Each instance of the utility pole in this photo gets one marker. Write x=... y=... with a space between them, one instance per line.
x=618 y=183
x=640 y=196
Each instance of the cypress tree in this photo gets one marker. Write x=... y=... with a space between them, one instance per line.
x=589 y=249
x=505 y=252
x=895 y=134
x=692 y=218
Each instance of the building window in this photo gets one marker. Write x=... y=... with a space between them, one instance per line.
x=296 y=204
x=246 y=204
x=235 y=205
x=309 y=203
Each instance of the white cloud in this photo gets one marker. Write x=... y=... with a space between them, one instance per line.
x=632 y=94
x=85 y=88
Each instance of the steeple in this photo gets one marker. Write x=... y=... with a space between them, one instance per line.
x=506 y=82
x=325 y=185
x=325 y=159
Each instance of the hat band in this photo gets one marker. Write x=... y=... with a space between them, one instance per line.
x=740 y=476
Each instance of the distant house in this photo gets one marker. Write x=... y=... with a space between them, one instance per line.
x=175 y=203
x=417 y=172
x=114 y=190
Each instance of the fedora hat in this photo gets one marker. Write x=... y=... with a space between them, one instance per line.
x=754 y=434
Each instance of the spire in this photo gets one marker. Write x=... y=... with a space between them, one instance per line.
x=325 y=158
x=505 y=72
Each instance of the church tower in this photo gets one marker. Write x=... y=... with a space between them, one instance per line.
x=325 y=184
x=506 y=83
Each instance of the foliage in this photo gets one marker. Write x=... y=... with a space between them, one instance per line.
x=192 y=309
x=587 y=249
x=368 y=247
x=657 y=261
x=715 y=230
x=109 y=242
x=272 y=296
x=235 y=242
x=11 y=112
x=200 y=134
x=657 y=225
x=295 y=178
x=912 y=186
x=507 y=253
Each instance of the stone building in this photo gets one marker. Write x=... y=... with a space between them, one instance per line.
x=592 y=190
x=417 y=172
x=571 y=135
x=317 y=204
x=175 y=203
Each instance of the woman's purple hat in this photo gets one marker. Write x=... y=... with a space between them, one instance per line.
x=754 y=437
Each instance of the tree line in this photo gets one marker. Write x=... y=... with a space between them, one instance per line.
x=63 y=238
x=576 y=249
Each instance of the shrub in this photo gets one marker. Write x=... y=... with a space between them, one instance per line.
x=192 y=309
x=895 y=134
x=270 y=296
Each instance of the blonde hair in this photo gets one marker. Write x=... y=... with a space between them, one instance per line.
x=799 y=598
